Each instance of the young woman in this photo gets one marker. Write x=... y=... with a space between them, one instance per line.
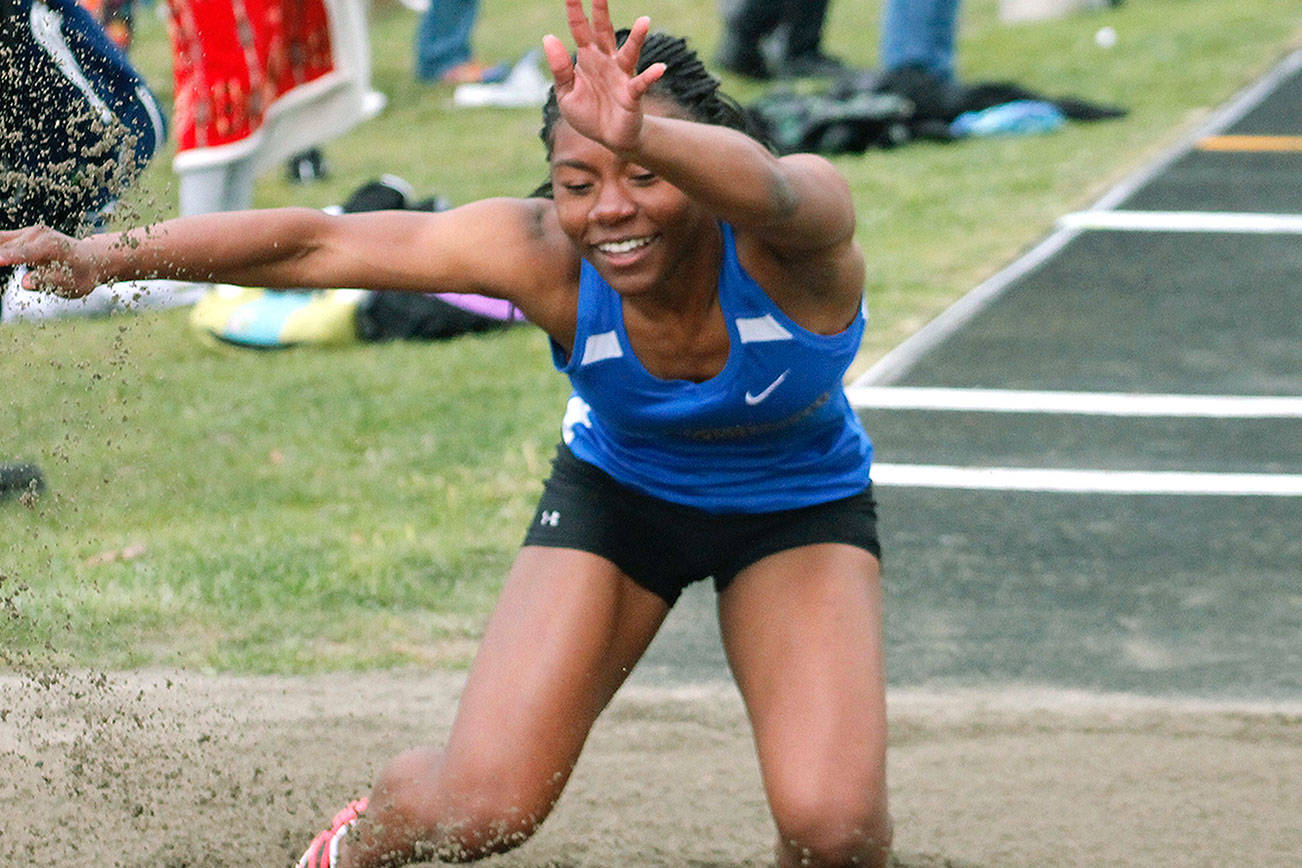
x=704 y=297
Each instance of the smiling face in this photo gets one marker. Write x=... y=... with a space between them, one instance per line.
x=640 y=232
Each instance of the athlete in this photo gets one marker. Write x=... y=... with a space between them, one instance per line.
x=705 y=299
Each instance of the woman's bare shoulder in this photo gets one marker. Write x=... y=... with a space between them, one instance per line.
x=822 y=289
x=522 y=249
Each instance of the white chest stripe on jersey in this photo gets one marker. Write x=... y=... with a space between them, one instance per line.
x=754 y=329
x=600 y=347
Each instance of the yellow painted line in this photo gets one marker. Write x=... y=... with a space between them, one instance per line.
x=1277 y=144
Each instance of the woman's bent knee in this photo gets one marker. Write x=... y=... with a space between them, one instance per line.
x=834 y=831
x=457 y=815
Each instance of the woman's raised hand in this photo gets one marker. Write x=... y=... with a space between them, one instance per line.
x=56 y=264
x=600 y=92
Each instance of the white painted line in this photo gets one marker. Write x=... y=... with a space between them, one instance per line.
x=1087 y=481
x=1184 y=221
x=1083 y=403
x=896 y=363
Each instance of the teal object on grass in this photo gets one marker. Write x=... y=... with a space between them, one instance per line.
x=259 y=323
x=270 y=319
x=1019 y=117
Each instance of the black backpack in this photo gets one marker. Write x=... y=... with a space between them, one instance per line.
x=830 y=123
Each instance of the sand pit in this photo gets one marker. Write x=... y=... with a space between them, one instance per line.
x=172 y=769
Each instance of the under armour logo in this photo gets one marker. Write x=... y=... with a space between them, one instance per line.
x=549 y=517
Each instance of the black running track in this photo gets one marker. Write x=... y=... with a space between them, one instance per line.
x=1195 y=594
x=1089 y=469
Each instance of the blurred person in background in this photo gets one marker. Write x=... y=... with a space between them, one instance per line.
x=443 y=51
x=764 y=39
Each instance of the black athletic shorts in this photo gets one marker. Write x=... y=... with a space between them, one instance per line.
x=666 y=546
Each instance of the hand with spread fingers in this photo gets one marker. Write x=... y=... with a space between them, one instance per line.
x=600 y=92
x=56 y=262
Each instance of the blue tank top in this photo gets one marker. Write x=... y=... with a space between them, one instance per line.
x=773 y=430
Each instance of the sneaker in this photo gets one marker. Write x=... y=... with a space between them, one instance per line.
x=324 y=849
x=305 y=166
x=524 y=86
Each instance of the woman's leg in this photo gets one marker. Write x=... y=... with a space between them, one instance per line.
x=223 y=187
x=802 y=630
x=567 y=630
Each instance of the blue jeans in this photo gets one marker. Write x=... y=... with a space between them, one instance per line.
x=443 y=39
x=919 y=33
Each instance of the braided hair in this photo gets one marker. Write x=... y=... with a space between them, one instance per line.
x=686 y=83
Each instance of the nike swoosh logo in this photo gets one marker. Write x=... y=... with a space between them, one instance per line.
x=752 y=400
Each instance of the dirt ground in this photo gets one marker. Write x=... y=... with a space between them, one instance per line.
x=171 y=769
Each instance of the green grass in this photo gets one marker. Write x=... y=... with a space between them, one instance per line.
x=287 y=505
x=310 y=510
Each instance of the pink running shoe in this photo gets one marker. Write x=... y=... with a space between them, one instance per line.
x=324 y=849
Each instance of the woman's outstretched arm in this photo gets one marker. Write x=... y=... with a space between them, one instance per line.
x=495 y=247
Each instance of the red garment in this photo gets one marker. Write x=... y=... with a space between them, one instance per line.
x=233 y=59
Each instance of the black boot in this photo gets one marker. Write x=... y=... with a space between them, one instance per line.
x=747 y=24
x=742 y=56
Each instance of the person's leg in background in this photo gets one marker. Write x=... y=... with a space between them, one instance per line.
x=224 y=186
x=917 y=49
x=443 y=50
x=804 y=56
x=746 y=24
x=919 y=34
